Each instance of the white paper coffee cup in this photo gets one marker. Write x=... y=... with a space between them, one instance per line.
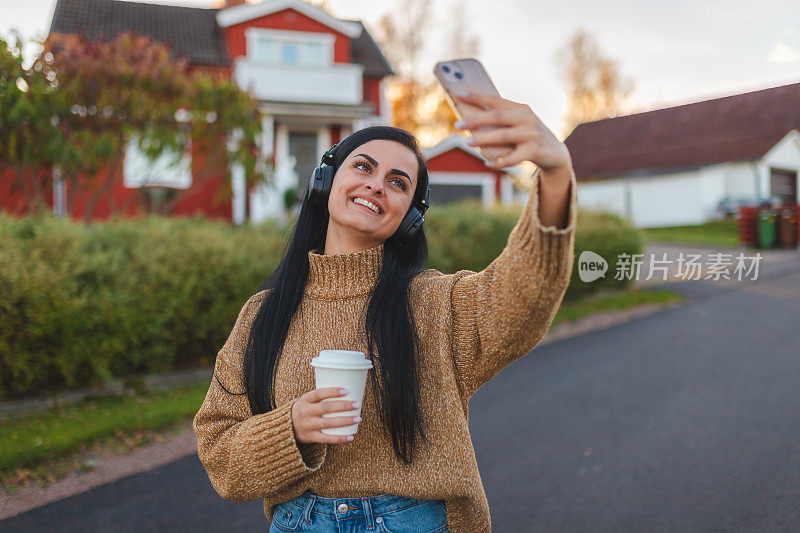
x=342 y=368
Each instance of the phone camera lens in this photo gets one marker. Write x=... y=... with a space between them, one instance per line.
x=446 y=68
x=459 y=75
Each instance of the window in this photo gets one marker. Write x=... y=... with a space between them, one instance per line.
x=265 y=50
x=289 y=53
x=313 y=55
x=289 y=47
x=167 y=170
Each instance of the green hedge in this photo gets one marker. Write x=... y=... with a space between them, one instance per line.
x=80 y=304
x=607 y=235
x=457 y=239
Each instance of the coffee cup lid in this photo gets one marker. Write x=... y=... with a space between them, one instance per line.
x=342 y=360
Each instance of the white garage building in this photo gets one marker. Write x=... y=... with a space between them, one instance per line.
x=692 y=163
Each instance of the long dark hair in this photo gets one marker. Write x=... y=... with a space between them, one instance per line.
x=390 y=329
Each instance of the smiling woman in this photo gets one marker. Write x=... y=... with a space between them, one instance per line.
x=353 y=277
x=372 y=192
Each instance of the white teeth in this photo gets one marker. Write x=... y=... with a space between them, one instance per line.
x=368 y=204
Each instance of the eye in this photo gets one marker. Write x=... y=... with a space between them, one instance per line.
x=364 y=164
x=402 y=183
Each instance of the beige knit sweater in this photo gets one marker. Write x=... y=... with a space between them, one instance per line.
x=471 y=326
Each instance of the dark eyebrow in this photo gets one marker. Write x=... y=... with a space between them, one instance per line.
x=393 y=171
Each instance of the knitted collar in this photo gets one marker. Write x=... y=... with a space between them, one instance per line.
x=343 y=275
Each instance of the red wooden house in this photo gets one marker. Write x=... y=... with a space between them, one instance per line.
x=316 y=77
x=458 y=171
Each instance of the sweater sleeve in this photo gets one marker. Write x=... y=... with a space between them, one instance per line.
x=502 y=312
x=247 y=456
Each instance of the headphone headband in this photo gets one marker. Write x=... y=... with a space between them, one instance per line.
x=327 y=157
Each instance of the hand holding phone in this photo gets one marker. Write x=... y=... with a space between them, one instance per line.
x=459 y=77
x=506 y=132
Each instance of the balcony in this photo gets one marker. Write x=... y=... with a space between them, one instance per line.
x=330 y=84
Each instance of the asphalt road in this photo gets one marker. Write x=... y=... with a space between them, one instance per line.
x=684 y=420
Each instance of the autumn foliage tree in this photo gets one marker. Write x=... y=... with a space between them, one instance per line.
x=99 y=96
x=595 y=87
x=419 y=104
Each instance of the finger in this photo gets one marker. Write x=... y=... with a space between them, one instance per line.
x=493 y=117
x=515 y=157
x=330 y=439
x=493 y=152
x=499 y=136
x=467 y=110
x=317 y=395
x=334 y=422
x=486 y=100
x=332 y=407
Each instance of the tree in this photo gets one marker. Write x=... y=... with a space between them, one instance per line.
x=104 y=95
x=29 y=111
x=418 y=103
x=595 y=87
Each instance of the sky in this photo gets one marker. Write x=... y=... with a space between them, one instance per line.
x=675 y=52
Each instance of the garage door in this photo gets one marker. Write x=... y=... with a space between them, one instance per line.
x=444 y=194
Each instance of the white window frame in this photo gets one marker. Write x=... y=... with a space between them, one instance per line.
x=326 y=40
x=167 y=170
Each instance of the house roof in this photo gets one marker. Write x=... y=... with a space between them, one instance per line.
x=194 y=32
x=449 y=143
x=456 y=141
x=189 y=31
x=244 y=12
x=365 y=52
x=741 y=127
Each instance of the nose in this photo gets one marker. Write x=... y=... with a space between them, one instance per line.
x=376 y=184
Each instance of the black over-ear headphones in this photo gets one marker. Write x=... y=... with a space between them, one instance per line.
x=320 y=188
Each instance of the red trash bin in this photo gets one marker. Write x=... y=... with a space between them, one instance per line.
x=787 y=226
x=747 y=223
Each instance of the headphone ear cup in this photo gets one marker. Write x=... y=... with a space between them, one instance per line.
x=320 y=186
x=409 y=226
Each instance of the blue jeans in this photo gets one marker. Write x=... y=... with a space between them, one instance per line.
x=385 y=513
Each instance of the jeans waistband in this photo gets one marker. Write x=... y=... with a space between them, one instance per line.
x=368 y=506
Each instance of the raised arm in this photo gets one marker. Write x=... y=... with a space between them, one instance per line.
x=502 y=312
x=247 y=456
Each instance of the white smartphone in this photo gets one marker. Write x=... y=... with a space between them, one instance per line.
x=467 y=75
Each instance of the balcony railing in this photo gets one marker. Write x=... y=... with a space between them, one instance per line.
x=330 y=84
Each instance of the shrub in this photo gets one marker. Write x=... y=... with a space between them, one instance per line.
x=608 y=235
x=466 y=236
x=83 y=304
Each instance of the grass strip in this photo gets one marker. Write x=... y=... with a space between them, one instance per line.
x=28 y=441
x=722 y=233
x=614 y=301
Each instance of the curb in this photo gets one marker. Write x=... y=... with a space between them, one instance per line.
x=149 y=382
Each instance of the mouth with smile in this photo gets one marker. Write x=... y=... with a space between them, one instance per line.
x=367 y=205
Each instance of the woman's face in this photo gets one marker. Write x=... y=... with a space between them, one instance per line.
x=382 y=172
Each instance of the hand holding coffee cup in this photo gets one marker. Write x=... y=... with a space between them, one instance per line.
x=307 y=419
x=346 y=369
